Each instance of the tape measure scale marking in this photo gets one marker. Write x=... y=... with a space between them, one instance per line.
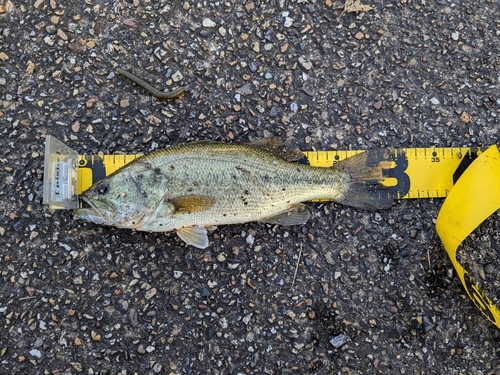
x=93 y=168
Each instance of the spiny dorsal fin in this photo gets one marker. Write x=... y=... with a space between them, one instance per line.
x=277 y=147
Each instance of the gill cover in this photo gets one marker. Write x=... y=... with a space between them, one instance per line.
x=125 y=199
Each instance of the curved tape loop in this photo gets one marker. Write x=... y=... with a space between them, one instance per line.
x=474 y=197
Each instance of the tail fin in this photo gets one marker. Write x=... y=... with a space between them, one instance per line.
x=366 y=173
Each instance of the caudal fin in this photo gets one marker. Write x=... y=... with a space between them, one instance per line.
x=367 y=172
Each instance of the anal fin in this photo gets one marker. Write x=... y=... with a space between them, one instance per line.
x=194 y=235
x=294 y=215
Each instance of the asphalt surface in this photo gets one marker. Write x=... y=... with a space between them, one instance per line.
x=375 y=293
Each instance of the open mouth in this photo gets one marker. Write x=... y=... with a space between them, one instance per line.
x=96 y=214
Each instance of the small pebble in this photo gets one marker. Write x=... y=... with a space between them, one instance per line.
x=378 y=104
x=489 y=268
x=178 y=274
x=207 y=22
x=338 y=341
x=49 y=40
x=177 y=76
x=274 y=111
x=38 y=342
x=150 y=293
x=245 y=90
x=212 y=284
x=253 y=66
x=36 y=353
x=309 y=89
x=306 y=64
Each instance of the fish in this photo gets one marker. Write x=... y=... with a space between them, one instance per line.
x=192 y=187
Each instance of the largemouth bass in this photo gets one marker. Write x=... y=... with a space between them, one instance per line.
x=192 y=187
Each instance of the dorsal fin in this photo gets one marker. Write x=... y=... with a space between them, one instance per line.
x=277 y=147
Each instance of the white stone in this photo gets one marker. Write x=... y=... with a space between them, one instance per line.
x=207 y=22
x=36 y=353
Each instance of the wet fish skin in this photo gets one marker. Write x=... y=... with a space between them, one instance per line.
x=190 y=187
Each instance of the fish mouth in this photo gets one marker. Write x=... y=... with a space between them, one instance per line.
x=106 y=213
x=95 y=214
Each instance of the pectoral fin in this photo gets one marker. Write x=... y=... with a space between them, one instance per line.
x=195 y=236
x=294 y=215
x=192 y=203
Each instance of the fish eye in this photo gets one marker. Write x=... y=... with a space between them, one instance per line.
x=102 y=188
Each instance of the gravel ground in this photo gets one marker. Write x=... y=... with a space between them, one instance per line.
x=374 y=292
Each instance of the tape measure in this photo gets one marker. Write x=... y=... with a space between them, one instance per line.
x=415 y=173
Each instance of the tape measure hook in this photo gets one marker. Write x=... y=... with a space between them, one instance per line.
x=60 y=179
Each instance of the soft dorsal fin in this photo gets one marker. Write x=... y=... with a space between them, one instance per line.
x=195 y=236
x=276 y=146
x=192 y=203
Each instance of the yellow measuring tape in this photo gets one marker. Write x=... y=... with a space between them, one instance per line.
x=469 y=179
x=416 y=172
x=475 y=196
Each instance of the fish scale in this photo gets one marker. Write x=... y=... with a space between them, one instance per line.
x=237 y=174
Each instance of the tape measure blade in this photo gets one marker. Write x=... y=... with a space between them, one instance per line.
x=431 y=171
x=328 y=158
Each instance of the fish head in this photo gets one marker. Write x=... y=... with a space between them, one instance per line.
x=118 y=200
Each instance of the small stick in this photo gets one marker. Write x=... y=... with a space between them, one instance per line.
x=297 y=266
